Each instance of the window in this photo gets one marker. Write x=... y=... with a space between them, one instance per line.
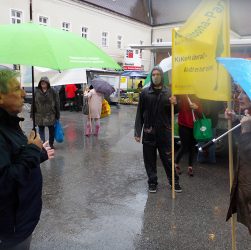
x=16 y=16
x=104 y=42
x=119 y=42
x=159 y=40
x=84 y=32
x=43 y=20
x=66 y=26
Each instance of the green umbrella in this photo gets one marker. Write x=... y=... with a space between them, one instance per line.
x=166 y=65
x=38 y=45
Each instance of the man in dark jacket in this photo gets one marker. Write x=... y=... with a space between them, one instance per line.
x=154 y=116
x=20 y=174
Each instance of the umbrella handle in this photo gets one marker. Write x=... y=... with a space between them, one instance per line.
x=210 y=143
x=206 y=145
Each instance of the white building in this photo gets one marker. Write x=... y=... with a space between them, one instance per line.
x=104 y=22
x=110 y=31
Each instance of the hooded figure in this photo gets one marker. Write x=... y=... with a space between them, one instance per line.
x=47 y=108
x=154 y=118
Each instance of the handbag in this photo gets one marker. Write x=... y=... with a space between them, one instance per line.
x=202 y=129
x=85 y=106
x=59 y=132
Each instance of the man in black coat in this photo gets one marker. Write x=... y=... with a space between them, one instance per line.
x=154 y=117
x=20 y=173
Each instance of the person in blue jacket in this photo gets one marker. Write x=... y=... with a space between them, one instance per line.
x=20 y=173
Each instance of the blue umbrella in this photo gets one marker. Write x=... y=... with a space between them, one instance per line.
x=102 y=86
x=135 y=74
x=240 y=70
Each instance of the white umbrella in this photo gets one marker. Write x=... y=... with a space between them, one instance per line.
x=166 y=66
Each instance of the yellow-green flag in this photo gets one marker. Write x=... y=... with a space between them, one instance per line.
x=195 y=47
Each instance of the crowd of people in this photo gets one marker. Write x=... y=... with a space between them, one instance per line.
x=21 y=155
x=154 y=119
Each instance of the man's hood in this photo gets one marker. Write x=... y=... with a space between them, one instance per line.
x=161 y=74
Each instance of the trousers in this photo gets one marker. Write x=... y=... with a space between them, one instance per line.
x=187 y=144
x=51 y=133
x=24 y=245
x=150 y=161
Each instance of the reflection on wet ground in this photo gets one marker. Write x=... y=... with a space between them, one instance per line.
x=95 y=196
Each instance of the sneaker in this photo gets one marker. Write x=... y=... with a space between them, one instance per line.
x=190 y=171
x=152 y=188
x=177 y=187
x=177 y=169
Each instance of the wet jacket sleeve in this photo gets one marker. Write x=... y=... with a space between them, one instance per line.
x=139 y=121
x=16 y=166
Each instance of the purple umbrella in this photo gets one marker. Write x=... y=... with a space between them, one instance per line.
x=102 y=86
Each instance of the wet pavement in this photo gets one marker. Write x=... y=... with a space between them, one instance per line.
x=95 y=196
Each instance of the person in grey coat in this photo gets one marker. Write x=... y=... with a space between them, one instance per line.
x=47 y=109
x=240 y=197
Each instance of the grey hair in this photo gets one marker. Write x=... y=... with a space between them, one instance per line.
x=5 y=76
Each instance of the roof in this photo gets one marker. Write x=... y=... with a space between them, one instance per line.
x=162 y=12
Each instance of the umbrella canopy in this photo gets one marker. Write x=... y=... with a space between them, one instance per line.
x=38 y=45
x=56 y=77
x=102 y=86
x=240 y=70
x=2 y=67
x=135 y=74
x=166 y=65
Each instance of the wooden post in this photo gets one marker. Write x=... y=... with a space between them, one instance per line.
x=173 y=170
x=231 y=178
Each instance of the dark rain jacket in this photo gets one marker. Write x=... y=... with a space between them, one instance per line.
x=20 y=182
x=240 y=199
x=47 y=106
x=154 y=116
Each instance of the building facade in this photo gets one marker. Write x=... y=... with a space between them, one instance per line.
x=110 y=31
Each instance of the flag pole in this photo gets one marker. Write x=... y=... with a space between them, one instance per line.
x=172 y=126
x=230 y=140
x=231 y=177
x=173 y=171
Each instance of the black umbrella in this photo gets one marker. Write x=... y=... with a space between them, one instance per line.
x=102 y=86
